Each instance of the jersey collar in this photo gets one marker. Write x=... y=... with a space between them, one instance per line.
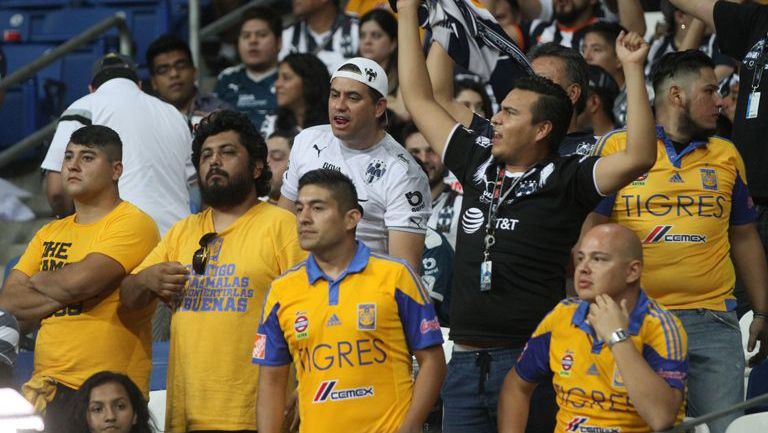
x=635 y=317
x=674 y=158
x=358 y=264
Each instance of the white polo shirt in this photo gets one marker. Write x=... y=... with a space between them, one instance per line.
x=157 y=147
x=391 y=187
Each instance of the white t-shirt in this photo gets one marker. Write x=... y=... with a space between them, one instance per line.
x=391 y=187
x=157 y=147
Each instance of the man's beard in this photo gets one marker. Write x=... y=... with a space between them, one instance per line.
x=696 y=132
x=568 y=18
x=231 y=194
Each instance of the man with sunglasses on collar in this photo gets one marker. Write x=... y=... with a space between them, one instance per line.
x=213 y=268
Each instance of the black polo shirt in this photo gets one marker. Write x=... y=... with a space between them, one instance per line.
x=742 y=32
x=538 y=224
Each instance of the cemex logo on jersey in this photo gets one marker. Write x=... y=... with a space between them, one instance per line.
x=327 y=392
x=577 y=425
x=661 y=234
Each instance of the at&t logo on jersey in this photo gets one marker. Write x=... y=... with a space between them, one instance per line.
x=327 y=392
x=661 y=234
x=577 y=424
x=472 y=220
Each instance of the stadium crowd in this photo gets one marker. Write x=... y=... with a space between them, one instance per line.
x=585 y=210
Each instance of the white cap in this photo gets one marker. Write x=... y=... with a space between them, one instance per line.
x=371 y=74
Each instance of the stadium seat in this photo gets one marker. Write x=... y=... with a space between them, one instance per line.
x=35 y=4
x=754 y=423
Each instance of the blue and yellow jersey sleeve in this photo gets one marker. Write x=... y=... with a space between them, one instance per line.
x=270 y=347
x=665 y=346
x=417 y=314
x=533 y=365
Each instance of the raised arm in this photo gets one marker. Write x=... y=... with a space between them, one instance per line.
x=426 y=389
x=631 y=16
x=701 y=9
x=432 y=120
x=617 y=170
x=440 y=68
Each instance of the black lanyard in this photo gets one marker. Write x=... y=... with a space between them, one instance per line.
x=493 y=210
x=760 y=63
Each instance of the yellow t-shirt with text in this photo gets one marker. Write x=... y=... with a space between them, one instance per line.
x=97 y=334
x=212 y=383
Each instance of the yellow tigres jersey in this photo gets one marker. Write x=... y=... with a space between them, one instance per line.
x=681 y=210
x=590 y=390
x=350 y=340
x=94 y=335
x=212 y=384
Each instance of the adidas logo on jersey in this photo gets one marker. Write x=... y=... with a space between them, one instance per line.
x=333 y=320
x=676 y=178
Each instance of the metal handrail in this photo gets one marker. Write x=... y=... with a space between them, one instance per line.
x=689 y=424
x=118 y=20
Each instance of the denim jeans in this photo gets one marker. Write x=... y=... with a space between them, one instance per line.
x=716 y=364
x=471 y=393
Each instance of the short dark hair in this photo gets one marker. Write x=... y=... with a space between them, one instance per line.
x=552 y=105
x=269 y=15
x=165 y=44
x=674 y=64
x=575 y=68
x=78 y=418
x=341 y=187
x=229 y=120
x=478 y=88
x=409 y=128
x=607 y=30
x=102 y=137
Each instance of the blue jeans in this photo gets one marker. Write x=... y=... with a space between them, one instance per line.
x=716 y=364
x=471 y=393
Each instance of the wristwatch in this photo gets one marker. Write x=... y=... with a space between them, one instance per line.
x=618 y=336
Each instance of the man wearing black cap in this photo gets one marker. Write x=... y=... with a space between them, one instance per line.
x=156 y=153
x=598 y=113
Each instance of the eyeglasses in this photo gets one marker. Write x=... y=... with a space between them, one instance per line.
x=201 y=256
x=179 y=66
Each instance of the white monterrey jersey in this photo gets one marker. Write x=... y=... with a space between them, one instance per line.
x=391 y=187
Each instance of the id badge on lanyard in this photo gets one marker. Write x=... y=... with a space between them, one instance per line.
x=753 y=100
x=486 y=267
